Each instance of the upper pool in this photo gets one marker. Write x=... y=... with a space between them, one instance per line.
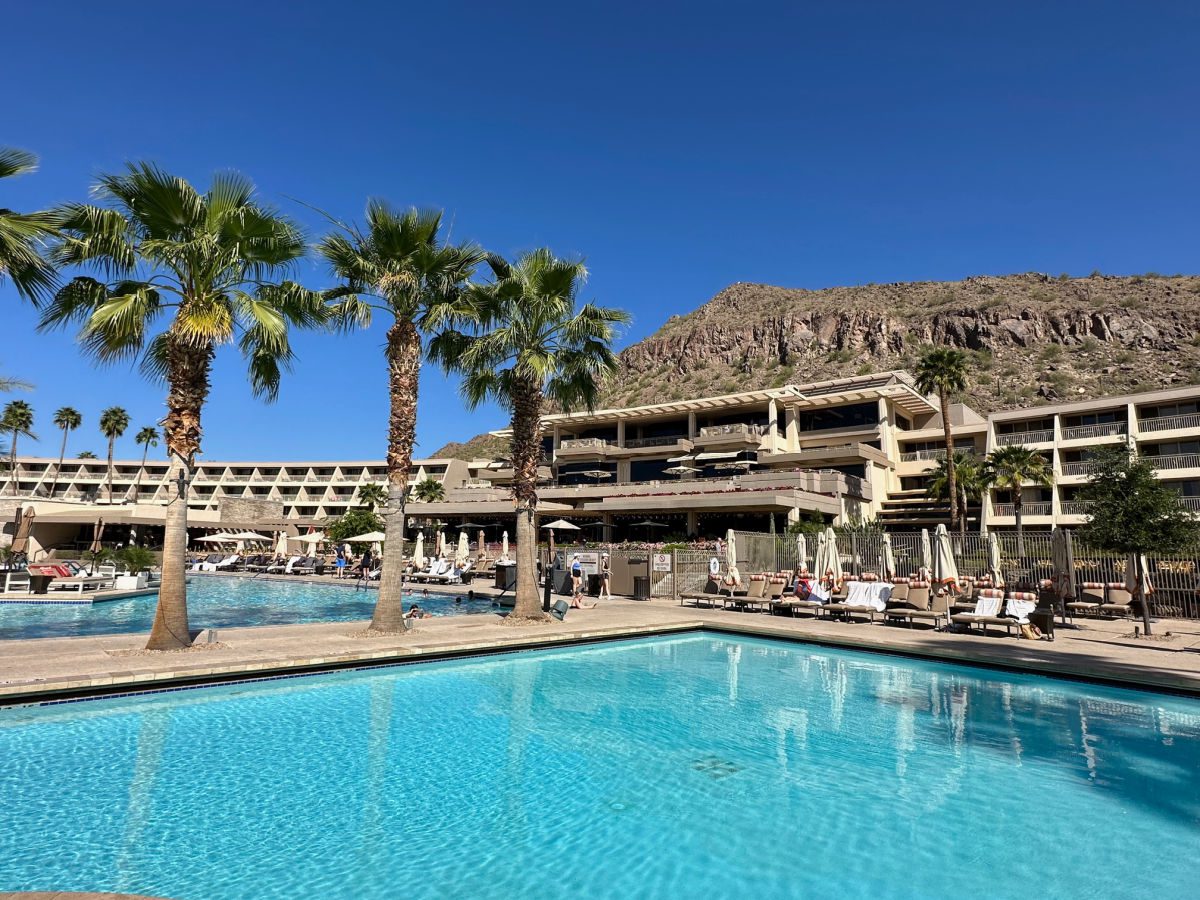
x=683 y=767
x=218 y=601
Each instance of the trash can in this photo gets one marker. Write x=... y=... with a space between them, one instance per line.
x=506 y=576
x=641 y=587
x=40 y=584
x=1043 y=619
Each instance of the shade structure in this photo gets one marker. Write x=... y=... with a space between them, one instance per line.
x=504 y=546
x=20 y=543
x=801 y=551
x=835 y=561
x=926 y=555
x=560 y=525
x=371 y=537
x=464 y=550
x=419 y=551
x=944 y=565
x=889 y=557
x=994 y=560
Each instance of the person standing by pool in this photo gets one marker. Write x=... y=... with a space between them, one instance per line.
x=576 y=574
x=341 y=561
x=364 y=564
x=605 y=578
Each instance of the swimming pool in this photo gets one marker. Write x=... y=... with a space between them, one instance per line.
x=690 y=766
x=217 y=601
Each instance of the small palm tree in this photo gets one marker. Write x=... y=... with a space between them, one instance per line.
x=1012 y=468
x=371 y=495
x=147 y=437
x=400 y=267
x=521 y=341
x=944 y=372
x=972 y=477
x=22 y=236
x=429 y=490
x=16 y=420
x=113 y=422
x=67 y=419
x=85 y=454
x=184 y=273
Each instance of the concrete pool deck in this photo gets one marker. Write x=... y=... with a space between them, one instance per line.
x=50 y=668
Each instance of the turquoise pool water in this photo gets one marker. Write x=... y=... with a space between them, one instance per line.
x=216 y=601
x=675 y=768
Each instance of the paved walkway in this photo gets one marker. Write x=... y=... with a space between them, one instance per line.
x=34 y=669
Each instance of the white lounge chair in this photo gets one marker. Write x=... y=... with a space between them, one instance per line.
x=285 y=568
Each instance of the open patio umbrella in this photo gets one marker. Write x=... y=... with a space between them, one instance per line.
x=223 y=537
x=889 y=557
x=371 y=537
x=647 y=524
x=946 y=568
x=252 y=537
x=994 y=561
x=926 y=555
x=831 y=550
x=315 y=538
x=597 y=474
x=682 y=470
x=504 y=546
x=801 y=551
x=20 y=542
x=558 y=525
x=464 y=551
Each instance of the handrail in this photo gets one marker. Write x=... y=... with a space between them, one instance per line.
x=1165 y=423
x=1039 y=508
x=1041 y=436
x=1078 y=468
x=583 y=443
x=1175 y=461
x=664 y=441
x=1076 y=507
x=1106 y=429
x=734 y=428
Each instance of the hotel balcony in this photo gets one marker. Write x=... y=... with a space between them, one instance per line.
x=1074 y=507
x=1189 y=422
x=1028 y=510
x=1026 y=438
x=1177 y=461
x=656 y=446
x=1081 y=469
x=839 y=454
x=739 y=436
x=586 y=448
x=1108 y=432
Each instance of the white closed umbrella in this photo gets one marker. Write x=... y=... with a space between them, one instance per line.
x=730 y=550
x=889 y=557
x=1131 y=584
x=801 y=551
x=946 y=568
x=440 y=548
x=504 y=546
x=926 y=555
x=482 y=544
x=419 y=551
x=464 y=550
x=821 y=559
x=831 y=550
x=994 y=561
x=281 y=547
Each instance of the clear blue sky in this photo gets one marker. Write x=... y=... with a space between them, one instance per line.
x=679 y=147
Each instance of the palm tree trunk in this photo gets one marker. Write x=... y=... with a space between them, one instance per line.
x=951 y=474
x=12 y=465
x=111 y=440
x=1020 y=528
x=404 y=368
x=527 y=454
x=187 y=375
x=137 y=485
x=62 y=454
x=1139 y=590
x=962 y=519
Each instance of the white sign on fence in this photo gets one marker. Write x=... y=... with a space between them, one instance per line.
x=662 y=562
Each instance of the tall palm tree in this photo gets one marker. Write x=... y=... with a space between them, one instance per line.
x=187 y=272
x=147 y=437
x=398 y=266
x=16 y=420
x=971 y=475
x=67 y=419
x=429 y=490
x=521 y=341
x=22 y=236
x=372 y=495
x=113 y=422
x=943 y=371
x=1012 y=468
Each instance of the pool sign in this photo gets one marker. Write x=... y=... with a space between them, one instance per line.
x=662 y=562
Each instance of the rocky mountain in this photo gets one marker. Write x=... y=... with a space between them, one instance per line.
x=1032 y=338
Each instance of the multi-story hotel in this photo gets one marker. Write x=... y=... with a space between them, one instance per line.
x=852 y=449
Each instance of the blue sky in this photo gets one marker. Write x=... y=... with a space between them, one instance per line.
x=679 y=147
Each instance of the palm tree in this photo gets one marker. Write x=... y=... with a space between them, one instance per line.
x=16 y=420
x=22 y=234
x=85 y=454
x=521 y=341
x=400 y=267
x=971 y=475
x=429 y=490
x=113 y=422
x=67 y=419
x=147 y=437
x=944 y=372
x=371 y=495
x=1011 y=468
x=190 y=272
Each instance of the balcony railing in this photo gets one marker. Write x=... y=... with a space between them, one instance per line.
x=1078 y=468
x=1190 y=502
x=1166 y=423
x=1076 y=507
x=1081 y=432
x=1177 y=461
x=665 y=441
x=1042 y=436
x=735 y=428
x=1040 y=508
x=586 y=443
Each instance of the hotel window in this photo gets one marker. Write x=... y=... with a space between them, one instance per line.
x=1162 y=410
x=1026 y=426
x=1170 y=448
x=1097 y=418
x=857 y=415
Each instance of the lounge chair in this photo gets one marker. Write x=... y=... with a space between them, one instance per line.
x=845 y=609
x=710 y=594
x=16 y=582
x=436 y=571
x=1119 y=602
x=776 y=585
x=452 y=576
x=938 y=611
x=1091 y=598
x=229 y=564
x=754 y=594
x=987 y=612
x=208 y=563
x=899 y=595
x=284 y=568
x=305 y=566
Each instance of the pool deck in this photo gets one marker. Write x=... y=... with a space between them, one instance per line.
x=60 y=668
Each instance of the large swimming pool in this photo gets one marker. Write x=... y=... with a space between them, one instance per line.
x=217 y=601
x=685 y=767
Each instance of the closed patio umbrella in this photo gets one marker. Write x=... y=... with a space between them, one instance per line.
x=821 y=559
x=418 y=559
x=889 y=557
x=464 y=551
x=1063 y=556
x=831 y=551
x=994 y=560
x=801 y=551
x=482 y=544
x=1131 y=585
x=440 y=547
x=926 y=555
x=20 y=543
x=504 y=546
x=281 y=545
x=730 y=550
x=947 y=569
